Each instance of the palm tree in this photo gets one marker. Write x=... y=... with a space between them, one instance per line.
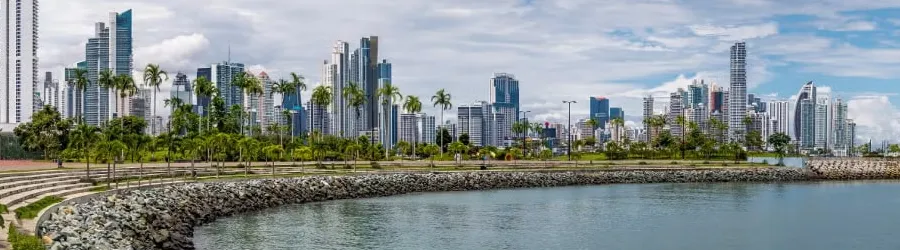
x=283 y=88
x=681 y=123
x=413 y=106
x=747 y=121
x=356 y=98
x=242 y=81
x=389 y=94
x=80 y=82
x=299 y=87
x=153 y=77
x=442 y=98
x=83 y=137
x=538 y=128
x=321 y=97
x=106 y=80
x=204 y=88
x=618 y=122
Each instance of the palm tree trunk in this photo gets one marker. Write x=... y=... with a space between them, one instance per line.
x=441 y=135
x=154 y=108
x=87 y=160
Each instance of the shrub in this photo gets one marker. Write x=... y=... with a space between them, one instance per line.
x=765 y=162
x=20 y=241
x=724 y=164
x=673 y=163
x=31 y=211
x=348 y=166
x=642 y=163
x=375 y=165
x=705 y=162
x=3 y=209
x=320 y=166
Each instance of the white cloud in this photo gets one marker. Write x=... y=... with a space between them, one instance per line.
x=736 y=32
x=876 y=118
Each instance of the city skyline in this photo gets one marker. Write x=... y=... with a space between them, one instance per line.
x=768 y=35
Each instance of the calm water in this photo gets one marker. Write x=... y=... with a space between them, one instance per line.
x=859 y=215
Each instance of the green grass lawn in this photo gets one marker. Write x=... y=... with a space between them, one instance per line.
x=31 y=211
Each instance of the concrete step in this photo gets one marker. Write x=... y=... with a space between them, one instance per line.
x=40 y=185
x=18 y=198
x=15 y=184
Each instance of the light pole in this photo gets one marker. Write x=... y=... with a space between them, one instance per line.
x=569 y=130
x=524 y=127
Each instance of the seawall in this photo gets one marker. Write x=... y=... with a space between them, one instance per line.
x=164 y=217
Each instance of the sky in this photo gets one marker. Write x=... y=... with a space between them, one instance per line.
x=557 y=49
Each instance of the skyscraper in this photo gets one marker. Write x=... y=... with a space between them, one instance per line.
x=648 y=113
x=737 y=93
x=20 y=67
x=181 y=89
x=616 y=112
x=337 y=74
x=505 y=100
x=600 y=111
x=697 y=93
x=822 y=122
x=428 y=129
x=409 y=128
x=109 y=49
x=804 y=116
x=675 y=110
x=317 y=119
x=364 y=71
x=779 y=111
x=717 y=101
x=74 y=96
x=291 y=103
x=840 y=125
x=470 y=121
x=385 y=111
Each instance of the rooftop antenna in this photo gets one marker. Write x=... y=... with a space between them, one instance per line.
x=229 y=52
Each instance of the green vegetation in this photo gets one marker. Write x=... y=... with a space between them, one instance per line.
x=31 y=211
x=21 y=241
x=4 y=209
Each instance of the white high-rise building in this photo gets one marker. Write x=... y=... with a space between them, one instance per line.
x=408 y=128
x=780 y=112
x=20 y=67
x=427 y=129
x=648 y=112
x=840 y=125
x=823 y=123
x=675 y=110
x=336 y=73
x=737 y=106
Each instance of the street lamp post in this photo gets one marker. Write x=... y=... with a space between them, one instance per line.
x=569 y=130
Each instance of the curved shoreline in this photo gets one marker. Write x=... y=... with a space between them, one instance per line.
x=164 y=217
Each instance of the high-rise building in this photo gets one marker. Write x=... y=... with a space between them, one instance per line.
x=779 y=111
x=336 y=73
x=675 y=110
x=840 y=125
x=364 y=71
x=202 y=104
x=822 y=122
x=181 y=89
x=505 y=100
x=74 y=96
x=616 y=112
x=263 y=105
x=53 y=94
x=291 y=103
x=385 y=107
x=648 y=113
x=851 y=135
x=428 y=129
x=697 y=93
x=804 y=116
x=317 y=119
x=222 y=75
x=140 y=105
x=109 y=49
x=408 y=128
x=600 y=111
x=20 y=67
x=737 y=93
x=470 y=121
x=395 y=123
x=717 y=101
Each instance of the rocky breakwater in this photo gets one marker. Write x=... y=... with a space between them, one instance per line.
x=854 y=168
x=163 y=218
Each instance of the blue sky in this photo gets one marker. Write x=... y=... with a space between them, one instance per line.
x=559 y=49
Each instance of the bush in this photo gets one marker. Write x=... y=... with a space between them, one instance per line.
x=20 y=241
x=3 y=209
x=724 y=164
x=88 y=180
x=31 y=210
x=348 y=166
x=375 y=165
x=673 y=163
x=765 y=162
x=320 y=166
x=642 y=163
x=705 y=162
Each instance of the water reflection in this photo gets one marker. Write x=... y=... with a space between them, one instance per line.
x=847 y=215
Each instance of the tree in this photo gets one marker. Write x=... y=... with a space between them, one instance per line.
x=107 y=81
x=249 y=85
x=299 y=86
x=272 y=152
x=204 y=88
x=617 y=123
x=681 y=122
x=80 y=82
x=403 y=147
x=83 y=137
x=458 y=147
x=442 y=98
x=753 y=140
x=413 y=106
x=747 y=121
x=389 y=94
x=779 y=141
x=464 y=139
x=47 y=131
x=283 y=88
x=432 y=150
x=356 y=98
x=321 y=97
x=108 y=150
x=153 y=77
x=443 y=138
